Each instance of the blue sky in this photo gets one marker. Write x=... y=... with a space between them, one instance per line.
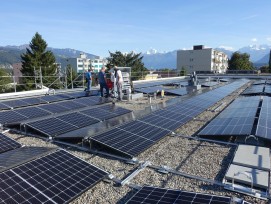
x=99 y=26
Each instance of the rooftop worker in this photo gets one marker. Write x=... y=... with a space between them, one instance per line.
x=88 y=79
x=119 y=82
x=102 y=82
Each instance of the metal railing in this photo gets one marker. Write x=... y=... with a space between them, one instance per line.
x=21 y=83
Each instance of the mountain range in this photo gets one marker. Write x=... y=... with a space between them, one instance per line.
x=259 y=55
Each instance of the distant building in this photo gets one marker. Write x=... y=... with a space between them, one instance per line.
x=202 y=60
x=98 y=63
x=82 y=63
x=17 y=71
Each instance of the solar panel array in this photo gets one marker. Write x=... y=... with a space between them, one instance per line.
x=58 y=177
x=236 y=119
x=264 y=122
x=21 y=114
x=149 y=129
x=7 y=143
x=68 y=122
x=154 y=195
x=36 y=100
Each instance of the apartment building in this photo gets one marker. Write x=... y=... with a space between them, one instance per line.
x=98 y=63
x=82 y=63
x=202 y=59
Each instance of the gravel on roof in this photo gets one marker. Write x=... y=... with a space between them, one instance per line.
x=208 y=160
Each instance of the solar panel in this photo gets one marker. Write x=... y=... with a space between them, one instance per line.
x=176 y=116
x=267 y=89
x=149 y=194
x=71 y=105
x=259 y=82
x=50 y=98
x=7 y=144
x=54 y=108
x=15 y=103
x=3 y=106
x=33 y=101
x=264 y=122
x=161 y=121
x=228 y=126
x=63 y=96
x=254 y=89
x=52 y=126
x=76 y=94
x=131 y=138
x=55 y=178
x=185 y=109
x=237 y=113
x=114 y=109
x=180 y=91
x=10 y=116
x=21 y=155
x=105 y=112
x=245 y=102
x=88 y=101
x=77 y=119
x=32 y=112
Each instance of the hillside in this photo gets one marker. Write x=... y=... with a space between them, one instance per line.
x=12 y=54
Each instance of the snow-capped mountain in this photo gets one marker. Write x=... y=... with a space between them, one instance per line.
x=256 y=52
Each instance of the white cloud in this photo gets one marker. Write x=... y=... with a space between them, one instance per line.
x=254 y=39
x=226 y=47
x=249 y=17
x=268 y=39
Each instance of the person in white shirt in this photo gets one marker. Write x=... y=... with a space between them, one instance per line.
x=119 y=82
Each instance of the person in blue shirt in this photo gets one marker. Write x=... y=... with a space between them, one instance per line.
x=102 y=82
x=88 y=79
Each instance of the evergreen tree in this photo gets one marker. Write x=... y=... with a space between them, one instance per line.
x=37 y=59
x=240 y=61
x=128 y=60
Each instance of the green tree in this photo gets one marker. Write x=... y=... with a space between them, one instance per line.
x=5 y=79
x=37 y=59
x=264 y=69
x=240 y=61
x=128 y=60
x=183 y=71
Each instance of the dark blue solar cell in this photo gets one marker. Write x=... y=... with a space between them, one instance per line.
x=7 y=144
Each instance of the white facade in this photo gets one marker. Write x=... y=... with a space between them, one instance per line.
x=97 y=64
x=82 y=64
x=202 y=59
